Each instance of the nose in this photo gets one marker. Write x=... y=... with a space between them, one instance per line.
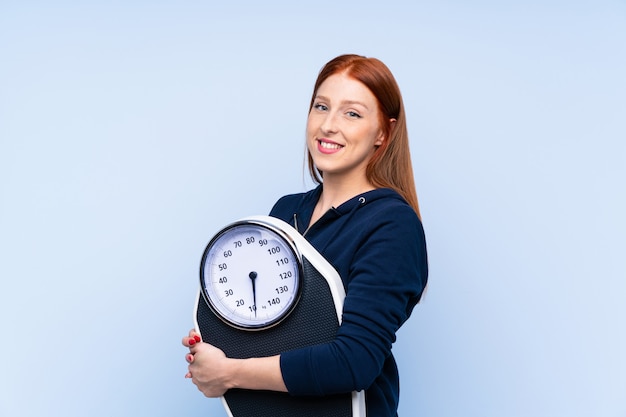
x=329 y=124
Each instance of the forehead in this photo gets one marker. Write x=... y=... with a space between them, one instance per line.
x=341 y=88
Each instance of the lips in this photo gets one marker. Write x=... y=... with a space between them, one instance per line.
x=328 y=146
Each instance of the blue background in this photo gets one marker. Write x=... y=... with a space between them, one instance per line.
x=131 y=131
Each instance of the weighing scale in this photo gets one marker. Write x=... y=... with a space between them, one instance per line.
x=264 y=289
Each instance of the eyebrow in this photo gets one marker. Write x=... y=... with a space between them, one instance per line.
x=344 y=102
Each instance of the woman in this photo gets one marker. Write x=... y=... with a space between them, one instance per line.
x=363 y=217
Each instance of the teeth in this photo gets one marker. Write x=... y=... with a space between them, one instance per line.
x=328 y=145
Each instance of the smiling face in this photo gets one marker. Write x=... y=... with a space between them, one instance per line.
x=343 y=128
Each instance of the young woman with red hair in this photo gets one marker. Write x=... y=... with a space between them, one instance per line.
x=363 y=217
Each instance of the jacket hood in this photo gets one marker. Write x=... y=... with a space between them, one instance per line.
x=309 y=200
x=365 y=198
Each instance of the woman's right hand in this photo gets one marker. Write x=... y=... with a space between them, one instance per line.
x=209 y=368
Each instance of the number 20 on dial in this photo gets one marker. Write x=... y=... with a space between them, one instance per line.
x=250 y=275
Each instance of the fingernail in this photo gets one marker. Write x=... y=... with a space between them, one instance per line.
x=192 y=341
x=189 y=357
x=197 y=338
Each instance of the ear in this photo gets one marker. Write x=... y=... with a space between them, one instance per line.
x=380 y=140
x=381 y=136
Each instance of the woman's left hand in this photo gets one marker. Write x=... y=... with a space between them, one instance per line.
x=209 y=368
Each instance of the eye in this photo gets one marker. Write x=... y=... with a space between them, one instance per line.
x=320 y=107
x=353 y=114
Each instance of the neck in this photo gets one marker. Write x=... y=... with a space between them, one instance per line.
x=335 y=192
x=339 y=188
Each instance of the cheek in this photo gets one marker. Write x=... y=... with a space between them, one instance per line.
x=312 y=128
x=310 y=135
x=315 y=118
x=309 y=126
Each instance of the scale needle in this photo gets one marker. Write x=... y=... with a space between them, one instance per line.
x=253 y=276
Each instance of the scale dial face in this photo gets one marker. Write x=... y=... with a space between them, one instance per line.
x=250 y=275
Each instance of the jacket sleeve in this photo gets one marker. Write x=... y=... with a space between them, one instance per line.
x=387 y=275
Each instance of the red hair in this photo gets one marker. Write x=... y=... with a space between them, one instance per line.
x=390 y=166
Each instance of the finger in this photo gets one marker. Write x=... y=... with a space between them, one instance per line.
x=189 y=341
x=195 y=334
x=189 y=358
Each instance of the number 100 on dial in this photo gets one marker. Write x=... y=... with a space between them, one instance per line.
x=250 y=275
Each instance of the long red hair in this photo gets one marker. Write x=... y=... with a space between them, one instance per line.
x=390 y=166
